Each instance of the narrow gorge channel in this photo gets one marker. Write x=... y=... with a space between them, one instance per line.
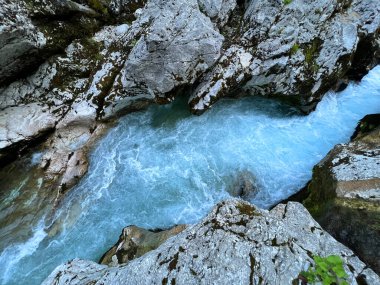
x=164 y=166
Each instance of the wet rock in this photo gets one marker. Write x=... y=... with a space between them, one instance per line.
x=235 y=244
x=135 y=242
x=345 y=194
x=244 y=186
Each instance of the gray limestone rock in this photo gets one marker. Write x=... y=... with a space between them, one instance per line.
x=174 y=44
x=235 y=244
x=219 y=11
x=345 y=195
x=20 y=40
x=31 y=31
x=294 y=51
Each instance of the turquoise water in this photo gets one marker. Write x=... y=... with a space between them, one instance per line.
x=164 y=166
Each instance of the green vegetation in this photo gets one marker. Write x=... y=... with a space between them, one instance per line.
x=246 y=209
x=328 y=270
x=294 y=49
x=287 y=2
x=98 y=6
x=133 y=43
x=311 y=53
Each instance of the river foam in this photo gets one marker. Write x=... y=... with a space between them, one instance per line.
x=164 y=166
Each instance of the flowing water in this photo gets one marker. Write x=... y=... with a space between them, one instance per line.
x=164 y=166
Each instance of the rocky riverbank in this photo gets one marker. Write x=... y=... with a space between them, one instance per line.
x=344 y=193
x=61 y=82
x=235 y=244
x=262 y=247
x=70 y=69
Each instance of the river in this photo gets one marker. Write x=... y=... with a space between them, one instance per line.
x=164 y=166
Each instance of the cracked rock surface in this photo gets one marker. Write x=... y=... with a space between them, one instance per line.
x=295 y=51
x=345 y=193
x=235 y=244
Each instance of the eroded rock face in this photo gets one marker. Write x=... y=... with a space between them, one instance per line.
x=135 y=242
x=20 y=40
x=294 y=51
x=345 y=195
x=31 y=31
x=235 y=244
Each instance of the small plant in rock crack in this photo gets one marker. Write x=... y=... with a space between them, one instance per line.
x=327 y=270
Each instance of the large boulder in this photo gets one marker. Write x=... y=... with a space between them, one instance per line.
x=235 y=244
x=345 y=193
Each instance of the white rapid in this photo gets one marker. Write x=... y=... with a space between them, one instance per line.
x=164 y=166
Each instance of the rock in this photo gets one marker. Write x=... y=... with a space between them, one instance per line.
x=345 y=195
x=295 y=52
x=367 y=124
x=219 y=11
x=135 y=242
x=244 y=186
x=235 y=244
x=218 y=47
x=21 y=124
x=20 y=40
x=40 y=29
x=174 y=44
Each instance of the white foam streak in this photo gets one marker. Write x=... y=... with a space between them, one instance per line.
x=12 y=255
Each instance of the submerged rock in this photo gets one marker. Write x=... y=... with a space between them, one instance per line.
x=244 y=186
x=135 y=242
x=345 y=195
x=235 y=244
